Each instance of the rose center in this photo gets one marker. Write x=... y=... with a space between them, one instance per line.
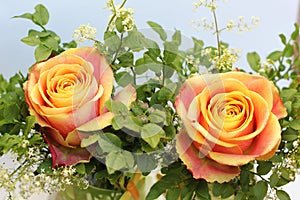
x=228 y=111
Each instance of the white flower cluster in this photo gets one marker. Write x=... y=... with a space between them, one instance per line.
x=210 y=4
x=21 y=180
x=198 y=24
x=227 y=59
x=120 y=18
x=84 y=32
x=241 y=25
x=193 y=61
x=238 y=25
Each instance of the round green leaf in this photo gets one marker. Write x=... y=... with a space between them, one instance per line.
x=282 y=195
x=260 y=190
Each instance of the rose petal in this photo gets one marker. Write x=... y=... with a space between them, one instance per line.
x=263 y=146
x=65 y=156
x=97 y=123
x=127 y=95
x=278 y=107
x=192 y=87
x=102 y=71
x=255 y=83
x=266 y=143
x=261 y=116
x=200 y=166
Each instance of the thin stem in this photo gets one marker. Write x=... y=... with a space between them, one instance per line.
x=163 y=70
x=117 y=51
x=134 y=75
x=217 y=32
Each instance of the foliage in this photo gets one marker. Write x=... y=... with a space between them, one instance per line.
x=141 y=138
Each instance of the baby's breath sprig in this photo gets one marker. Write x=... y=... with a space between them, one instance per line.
x=23 y=180
x=222 y=62
x=121 y=18
x=85 y=32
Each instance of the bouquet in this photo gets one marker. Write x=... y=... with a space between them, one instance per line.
x=138 y=117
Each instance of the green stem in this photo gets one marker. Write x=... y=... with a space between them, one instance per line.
x=163 y=70
x=117 y=51
x=134 y=75
x=217 y=31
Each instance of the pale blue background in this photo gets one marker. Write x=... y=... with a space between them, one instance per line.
x=277 y=16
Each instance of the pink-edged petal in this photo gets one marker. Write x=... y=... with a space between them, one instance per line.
x=231 y=159
x=127 y=95
x=192 y=87
x=266 y=142
x=201 y=166
x=97 y=123
x=278 y=107
x=65 y=156
x=55 y=136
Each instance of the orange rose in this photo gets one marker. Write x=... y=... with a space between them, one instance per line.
x=67 y=93
x=229 y=120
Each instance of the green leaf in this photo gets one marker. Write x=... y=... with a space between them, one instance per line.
x=245 y=180
x=42 y=53
x=295 y=34
x=290 y=135
x=176 y=38
x=31 y=40
x=264 y=167
x=30 y=121
x=295 y=124
x=146 y=162
x=69 y=45
x=134 y=40
x=112 y=40
x=158 y=29
x=275 y=55
x=132 y=125
x=260 y=190
x=90 y=140
x=117 y=160
x=80 y=168
x=254 y=61
x=151 y=133
x=282 y=195
x=116 y=107
x=153 y=49
x=124 y=78
x=166 y=182
x=166 y=94
x=119 y=25
x=170 y=51
x=282 y=38
x=224 y=190
x=118 y=122
x=50 y=42
x=288 y=50
x=41 y=15
x=173 y=194
x=202 y=191
x=157 y=116
x=45 y=167
x=126 y=59
x=109 y=142
x=24 y=16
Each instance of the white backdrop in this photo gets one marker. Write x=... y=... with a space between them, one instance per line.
x=276 y=16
